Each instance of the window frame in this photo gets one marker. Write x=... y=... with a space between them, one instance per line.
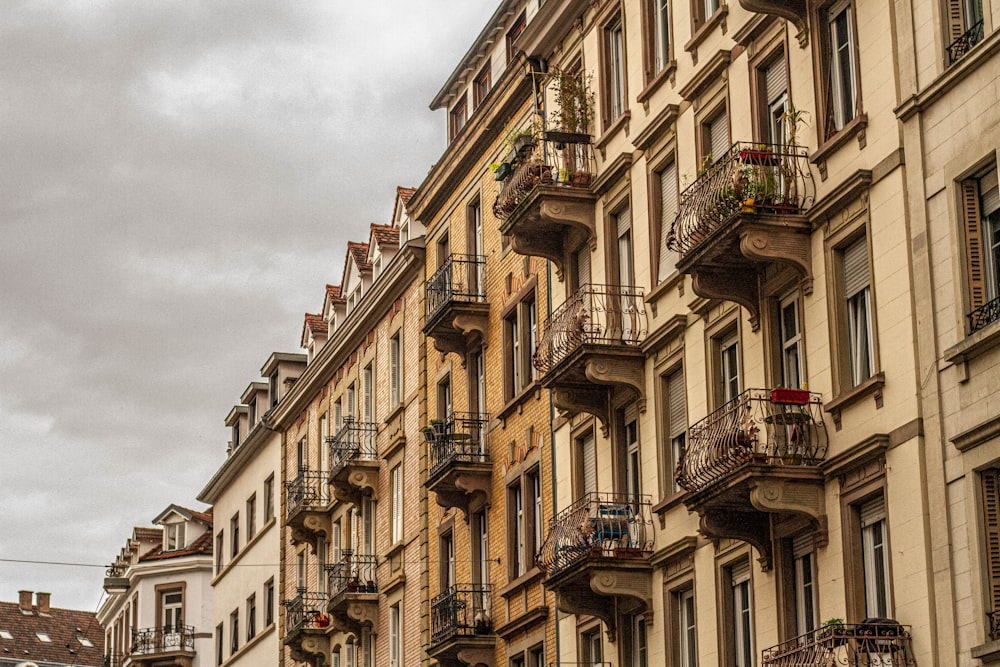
x=614 y=67
x=481 y=86
x=458 y=116
x=658 y=227
x=520 y=336
x=826 y=127
x=396 y=370
x=251 y=629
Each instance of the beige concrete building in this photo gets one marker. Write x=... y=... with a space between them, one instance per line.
x=353 y=508
x=244 y=495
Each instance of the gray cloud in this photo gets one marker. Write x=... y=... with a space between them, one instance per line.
x=179 y=180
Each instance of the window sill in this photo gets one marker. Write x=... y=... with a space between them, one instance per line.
x=705 y=29
x=258 y=638
x=855 y=128
x=246 y=547
x=988 y=652
x=395 y=412
x=611 y=130
x=974 y=345
x=668 y=72
x=515 y=403
x=871 y=387
x=514 y=587
x=668 y=503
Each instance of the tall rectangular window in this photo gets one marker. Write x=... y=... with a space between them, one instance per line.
x=687 y=646
x=858 y=298
x=875 y=558
x=592 y=647
x=251 y=516
x=840 y=66
x=220 y=543
x=516 y=523
x=219 y=644
x=269 y=498
x=633 y=477
x=481 y=86
x=515 y=31
x=368 y=379
x=457 y=117
x=338 y=415
x=661 y=34
x=395 y=371
x=714 y=138
x=447 y=561
x=587 y=457
x=395 y=636
x=676 y=426
x=614 y=70
x=251 y=617
x=480 y=548
x=538 y=527
x=790 y=336
x=396 y=479
x=302 y=455
x=520 y=339
x=321 y=561
x=989 y=481
x=638 y=646
x=703 y=10
x=234 y=535
x=350 y=400
x=234 y=631
x=981 y=222
x=728 y=373
x=665 y=181
x=742 y=642
x=804 y=560
x=300 y=570
x=269 y=602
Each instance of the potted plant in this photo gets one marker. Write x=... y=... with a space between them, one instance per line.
x=502 y=170
x=835 y=631
x=572 y=118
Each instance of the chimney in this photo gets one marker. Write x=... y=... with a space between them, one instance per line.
x=43 y=602
x=24 y=600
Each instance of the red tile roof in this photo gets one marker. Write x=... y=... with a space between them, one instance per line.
x=385 y=235
x=202 y=546
x=333 y=293
x=359 y=251
x=63 y=626
x=204 y=517
x=402 y=197
x=314 y=324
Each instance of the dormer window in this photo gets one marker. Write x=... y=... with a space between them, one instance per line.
x=354 y=299
x=458 y=116
x=252 y=413
x=236 y=435
x=404 y=230
x=273 y=388
x=173 y=536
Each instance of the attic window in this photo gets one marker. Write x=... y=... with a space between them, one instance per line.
x=85 y=642
x=5 y=635
x=173 y=536
x=42 y=637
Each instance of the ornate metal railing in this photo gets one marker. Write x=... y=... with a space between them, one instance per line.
x=559 y=158
x=353 y=573
x=598 y=525
x=880 y=641
x=776 y=427
x=459 y=439
x=964 y=44
x=167 y=639
x=308 y=489
x=750 y=178
x=355 y=441
x=594 y=315
x=993 y=619
x=462 y=610
x=986 y=314
x=461 y=278
x=306 y=610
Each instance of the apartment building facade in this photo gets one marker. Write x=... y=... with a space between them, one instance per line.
x=354 y=511
x=244 y=494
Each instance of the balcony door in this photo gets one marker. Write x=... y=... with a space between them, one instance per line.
x=628 y=327
x=476 y=274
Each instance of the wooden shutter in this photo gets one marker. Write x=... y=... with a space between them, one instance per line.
x=397 y=502
x=972 y=221
x=668 y=211
x=583 y=267
x=856 y=275
x=394 y=374
x=676 y=404
x=956 y=20
x=991 y=523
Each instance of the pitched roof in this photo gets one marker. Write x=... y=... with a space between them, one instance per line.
x=386 y=236
x=314 y=324
x=186 y=512
x=64 y=627
x=359 y=251
x=333 y=293
x=402 y=197
x=202 y=546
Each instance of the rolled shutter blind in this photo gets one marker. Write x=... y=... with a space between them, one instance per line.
x=676 y=404
x=873 y=511
x=668 y=211
x=775 y=80
x=802 y=545
x=589 y=464
x=989 y=194
x=719 y=132
x=624 y=221
x=583 y=267
x=856 y=275
x=973 y=243
x=740 y=572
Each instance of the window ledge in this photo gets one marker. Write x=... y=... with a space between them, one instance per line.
x=531 y=576
x=988 y=652
x=668 y=72
x=855 y=128
x=515 y=403
x=396 y=410
x=246 y=547
x=668 y=503
x=974 y=345
x=705 y=29
x=257 y=638
x=871 y=387
x=622 y=121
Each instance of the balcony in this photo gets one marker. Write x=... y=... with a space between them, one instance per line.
x=353 y=587
x=751 y=468
x=307 y=501
x=877 y=641
x=546 y=205
x=743 y=215
x=457 y=309
x=462 y=626
x=596 y=557
x=794 y=11
x=354 y=460
x=460 y=464
x=306 y=625
x=591 y=347
x=965 y=43
x=168 y=645
x=984 y=315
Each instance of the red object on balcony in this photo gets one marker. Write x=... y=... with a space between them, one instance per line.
x=758 y=156
x=790 y=396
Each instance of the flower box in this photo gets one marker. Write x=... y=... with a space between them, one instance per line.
x=790 y=396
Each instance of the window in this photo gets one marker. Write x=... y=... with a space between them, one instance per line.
x=4 y=634
x=790 y=337
x=512 y=35
x=804 y=561
x=772 y=99
x=396 y=478
x=269 y=498
x=173 y=536
x=444 y=398
x=687 y=635
x=739 y=635
x=321 y=580
x=633 y=479
x=481 y=86
x=517 y=661
x=875 y=558
x=476 y=247
x=665 y=210
x=219 y=639
x=477 y=383
x=395 y=371
x=447 y=556
x=675 y=427
x=219 y=550
x=300 y=570
x=42 y=637
x=367 y=648
x=728 y=368
x=537 y=523
x=350 y=400
x=369 y=395
x=622 y=221
x=536 y=657
x=349 y=653
x=480 y=548
x=981 y=219
x=520 y=339
x=234 y=535
x=587 y=466
x=591 y=647
x=251 y=617
x=324 y=446
x=989 y=480
x=251 y=517
x=658 y=36
x=639 y=653
x=858 y=305
x=614 y=71
x=457 y=117
x=714 y=138
x=234 y=631
x=516 y=523
x=965 y=26
x=839 y=64
x=703 y=10
x=338 y=416
x=236 y=434
x=83 y=640
x=172 y=609
x=395 y=636
x=302 y=455
x=272 y=386
x=269 y=602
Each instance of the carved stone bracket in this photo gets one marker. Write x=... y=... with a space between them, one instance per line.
x=781 y=245
x=582 y=602
x=314 y=525
x=472 y=325
x=476 y=657
x=636 y=587
x=793 y=497
x=350 y=618
x=364 y=480
x=313 y=647
x=737 y=286
x=792 y=10
x=614 y=370
x=750 y=527
x=593 y=401
x=552 y=223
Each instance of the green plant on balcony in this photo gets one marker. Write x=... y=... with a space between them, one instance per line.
x=573 y=115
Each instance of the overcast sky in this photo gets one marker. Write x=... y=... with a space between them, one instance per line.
x=178 y=180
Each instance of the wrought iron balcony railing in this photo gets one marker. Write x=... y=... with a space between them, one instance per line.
x=114 y=660
x=306 y=610
x=776 y=427
x=986 y=314
x=750 y=178
x=594 y=315
x=353 y=573
x=461 y=611
x=166 y=639
x=461 y=278
x=308 y=489
x=964 y=44
x=559 y=158
x=872 y=642
x=598 y=525
x=459 y=439
x=993 y=620
x=355 y=441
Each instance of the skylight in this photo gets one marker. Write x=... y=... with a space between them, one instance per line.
x=42 y=637
x=86 y=642
x=5 y=635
